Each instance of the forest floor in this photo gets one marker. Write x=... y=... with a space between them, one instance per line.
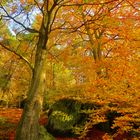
x=9 y=118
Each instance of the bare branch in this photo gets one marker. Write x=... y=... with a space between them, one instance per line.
x=19 y=23
x=54 y=17
x=38 y=6
x=90 y=3
x=19 y=55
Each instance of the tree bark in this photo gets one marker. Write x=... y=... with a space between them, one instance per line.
x=28 y=128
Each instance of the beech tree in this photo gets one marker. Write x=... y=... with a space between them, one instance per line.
x=104 y=53
x=39 y=18
x=20 y=14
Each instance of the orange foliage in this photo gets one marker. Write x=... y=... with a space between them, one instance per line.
x=99 y=42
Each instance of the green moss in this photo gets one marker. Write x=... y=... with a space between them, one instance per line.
x=66 y=114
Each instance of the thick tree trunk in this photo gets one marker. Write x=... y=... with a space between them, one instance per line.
x=28 y=128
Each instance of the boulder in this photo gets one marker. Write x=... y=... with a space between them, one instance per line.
x=65 y=114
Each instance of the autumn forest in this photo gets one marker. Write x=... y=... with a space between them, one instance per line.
x=69 y=69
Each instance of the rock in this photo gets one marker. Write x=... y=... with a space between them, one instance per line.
x=65 y=114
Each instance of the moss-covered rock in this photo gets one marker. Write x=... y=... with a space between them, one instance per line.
x=65 y=114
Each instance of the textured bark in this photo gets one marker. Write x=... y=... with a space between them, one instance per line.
x=28 y=128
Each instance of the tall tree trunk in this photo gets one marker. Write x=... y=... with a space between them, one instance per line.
x=28 y=128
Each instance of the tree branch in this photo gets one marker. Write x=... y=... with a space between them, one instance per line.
x=19 y=23
x=90 y=3
x=19 y=55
